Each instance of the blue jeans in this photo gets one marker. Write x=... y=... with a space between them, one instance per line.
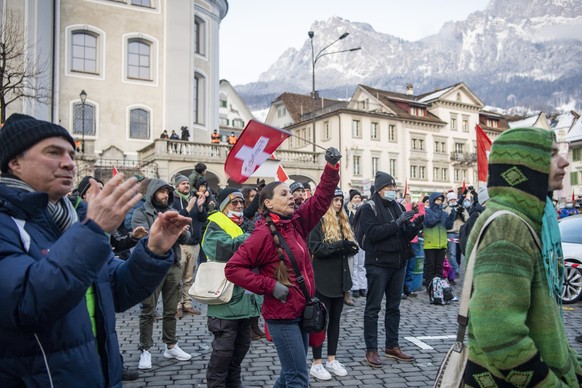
x=408 y=277
x=291 y=343
x=389 y=282
x=452 y=252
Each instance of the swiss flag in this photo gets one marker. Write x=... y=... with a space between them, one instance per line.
x=483 y=149
x=256 y=143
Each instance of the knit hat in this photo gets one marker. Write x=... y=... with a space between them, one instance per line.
x=520 y=159
x=338 y=193
x=200 y=182
x=226 y=195
x=84 y=185
x=425 y=198
x=353 y=193
x=306 y=186
x=296 y=186
x=179 y=179
x=482 y=195
x=20 y=132
x=382 y=180
x=451 y=195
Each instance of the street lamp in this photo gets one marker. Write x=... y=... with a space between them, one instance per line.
x=83 y=97
x=314 y=59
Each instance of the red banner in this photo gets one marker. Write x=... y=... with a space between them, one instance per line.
x=483 y=149
x=255 y=144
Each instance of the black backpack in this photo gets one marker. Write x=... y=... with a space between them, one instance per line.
x=358 y=230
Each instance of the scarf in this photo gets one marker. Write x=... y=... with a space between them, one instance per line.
x=62 y=212
x=552 y=255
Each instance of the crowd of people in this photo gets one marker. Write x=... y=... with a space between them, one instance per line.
x=70 y=258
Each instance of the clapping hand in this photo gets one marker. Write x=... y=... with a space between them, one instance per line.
x=165 y=231
x=405 y=217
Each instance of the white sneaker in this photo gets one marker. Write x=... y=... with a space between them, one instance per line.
x=336 y=368
x=319 y=372
x=145 y=360
x=177 y=353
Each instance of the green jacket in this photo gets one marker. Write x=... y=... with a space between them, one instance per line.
x=515 y=336
x=221 y=239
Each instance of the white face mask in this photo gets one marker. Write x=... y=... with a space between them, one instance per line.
x=390 y=195
x=236 y=217
x=467 y=203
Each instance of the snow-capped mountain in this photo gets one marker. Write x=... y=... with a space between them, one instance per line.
x=514 y=53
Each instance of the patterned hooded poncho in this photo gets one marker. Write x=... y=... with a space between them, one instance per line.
x=516 y=333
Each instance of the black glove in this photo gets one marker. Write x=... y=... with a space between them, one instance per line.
x=280 y=291
x=405 y=217
x=337 y=245
x=260 y=185
x=418 y=221
x=350 y=247
x=332 y=155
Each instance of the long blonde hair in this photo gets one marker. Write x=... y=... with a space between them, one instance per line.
x=332 y=230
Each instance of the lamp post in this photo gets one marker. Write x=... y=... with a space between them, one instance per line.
x=83 y=97
x=314 y=59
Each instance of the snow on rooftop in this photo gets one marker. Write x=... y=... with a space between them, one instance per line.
x=576 y=131
x=527 y=122
x=435 y=95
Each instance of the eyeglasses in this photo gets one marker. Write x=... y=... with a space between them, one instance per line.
x=237 y=202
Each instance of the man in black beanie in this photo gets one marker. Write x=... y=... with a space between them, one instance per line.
x=298 y=191
x=60 y=285
x=388 y=232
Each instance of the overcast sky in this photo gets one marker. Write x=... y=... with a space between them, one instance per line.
x=255 y=33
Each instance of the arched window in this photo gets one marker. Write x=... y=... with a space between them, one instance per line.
x=84 y=119
x=139 y=59
x=84 y=52
x=139 y=124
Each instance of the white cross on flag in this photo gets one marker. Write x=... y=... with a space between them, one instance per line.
x=255 y=144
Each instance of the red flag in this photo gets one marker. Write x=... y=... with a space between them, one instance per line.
x=405 y=187
x=255 y=144
x=281 y=173
x=573 y=197
x=483 y=149
x=464 y=186
x=114 y=171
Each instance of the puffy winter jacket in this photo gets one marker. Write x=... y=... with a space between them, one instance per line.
x=259 y=251
x=45 y=328
x=436 y=223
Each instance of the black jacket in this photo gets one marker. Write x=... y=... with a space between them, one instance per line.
x=330 y=265
x=199 y=218
x=387 y=244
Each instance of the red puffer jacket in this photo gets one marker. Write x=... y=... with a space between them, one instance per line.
x=259 y=251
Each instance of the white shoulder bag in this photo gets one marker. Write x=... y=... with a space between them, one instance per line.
x=210 y=285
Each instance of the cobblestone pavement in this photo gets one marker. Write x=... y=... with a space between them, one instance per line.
x=261 y=366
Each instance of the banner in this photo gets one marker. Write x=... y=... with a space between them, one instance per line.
x=256 y=143
x=483 y=149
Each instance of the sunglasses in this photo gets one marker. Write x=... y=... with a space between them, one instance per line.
x=237 y=202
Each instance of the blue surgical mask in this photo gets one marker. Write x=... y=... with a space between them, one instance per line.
x=390 y=195
x=467 y=203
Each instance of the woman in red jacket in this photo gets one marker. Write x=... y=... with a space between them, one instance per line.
x=284 y=302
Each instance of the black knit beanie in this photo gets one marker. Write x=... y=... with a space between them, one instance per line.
x=353 y=193
x=20 y=132
x=296 y=186
x=382 y=180
x=226 y=195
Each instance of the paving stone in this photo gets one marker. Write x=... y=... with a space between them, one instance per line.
x=261 y=366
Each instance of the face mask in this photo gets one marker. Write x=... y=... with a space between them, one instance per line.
x=467 y=203
x=569 y=205
x=390 y=195
x=453 y=203
x=236 y=217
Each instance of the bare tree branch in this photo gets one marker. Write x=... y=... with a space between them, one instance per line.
x=20 y=70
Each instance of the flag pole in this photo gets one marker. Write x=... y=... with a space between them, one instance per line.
x=309 y=142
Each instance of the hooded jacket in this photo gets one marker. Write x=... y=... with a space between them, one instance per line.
x=45 y=328
x=436 y=223
x=259 y=251
x=516 y=333
x=147 y=214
